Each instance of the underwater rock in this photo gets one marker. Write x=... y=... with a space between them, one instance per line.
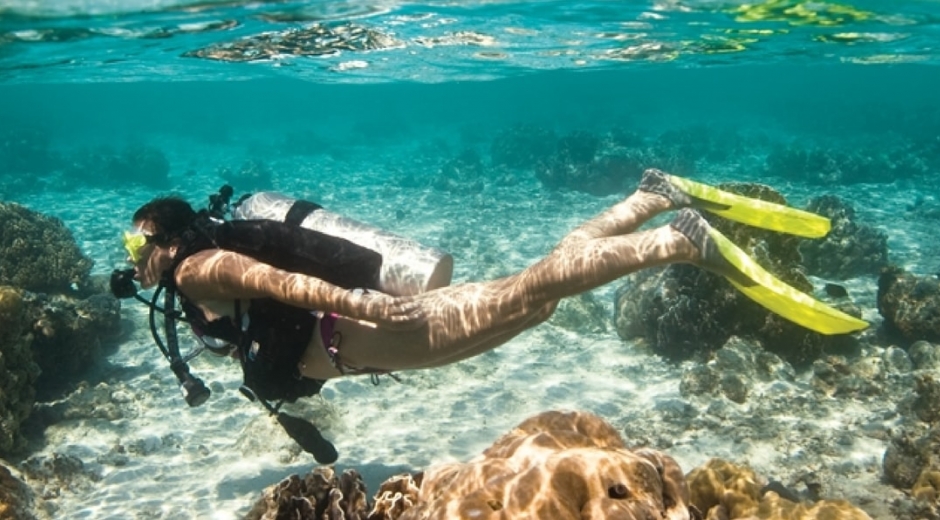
x=55 y=473
x=924 y=355
x=909 y=304
x=314 y=40
x=38 y=253
x=18 y=370
x=463 y=174
x=723 y=490
x=68 y=336
x=684 y=312
x=913 y=508
x=17 y=500
x=584 y=162
x=857 y=163
x=736 y=367
x=45 y=342
x=85 y=402
x=897 y=360
x=837 y=376
x=608 y=164
x=850 y=249
x=927 y=403
x=106 y=167
x=319 y=495
x=911 y=450
x=581 y=313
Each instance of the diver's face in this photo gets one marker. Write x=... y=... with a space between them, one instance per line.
x=150 y=260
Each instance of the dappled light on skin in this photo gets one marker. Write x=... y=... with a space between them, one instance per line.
x=387 y=333
x=455 y=322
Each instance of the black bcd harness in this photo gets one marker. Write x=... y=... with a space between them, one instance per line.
x=277 y=334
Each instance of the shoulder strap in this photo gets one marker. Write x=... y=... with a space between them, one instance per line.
x=299 y=211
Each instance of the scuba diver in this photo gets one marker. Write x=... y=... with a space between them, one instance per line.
x=297 y=322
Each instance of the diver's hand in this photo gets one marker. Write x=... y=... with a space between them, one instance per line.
x=391 y=312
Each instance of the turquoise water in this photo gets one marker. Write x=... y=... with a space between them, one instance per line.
x=362 y=105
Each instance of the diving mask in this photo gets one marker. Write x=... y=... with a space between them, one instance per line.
x=134 y=243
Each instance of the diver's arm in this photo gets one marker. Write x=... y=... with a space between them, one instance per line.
x=217 y=274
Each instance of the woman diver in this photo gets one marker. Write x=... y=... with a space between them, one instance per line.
x=356 y=332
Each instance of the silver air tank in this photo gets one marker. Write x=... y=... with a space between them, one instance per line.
x=408 y=267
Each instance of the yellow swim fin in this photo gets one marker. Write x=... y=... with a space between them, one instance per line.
x=765 y=289
x=753 y=212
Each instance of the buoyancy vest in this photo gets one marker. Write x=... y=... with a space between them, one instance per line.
x=269 y=345
x=275 y=334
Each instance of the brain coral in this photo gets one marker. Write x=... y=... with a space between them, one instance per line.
x=721 y=489
x=38 y=253
x=553 y=466
x=556 y=465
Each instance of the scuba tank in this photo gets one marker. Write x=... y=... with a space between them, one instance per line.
x=408 y=268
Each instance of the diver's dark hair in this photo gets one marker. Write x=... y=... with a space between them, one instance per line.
x=171 y=216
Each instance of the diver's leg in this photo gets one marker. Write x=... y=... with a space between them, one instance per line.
x=576 y=266
x=654 y=195
x=468 y=319
x=488 y=342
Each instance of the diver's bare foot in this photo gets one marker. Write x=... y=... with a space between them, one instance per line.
x=691 y=224
x=657 y=181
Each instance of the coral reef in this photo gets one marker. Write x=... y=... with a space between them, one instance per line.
x=45 y=339
x=319 y=495
x=106 y=167
x=912 y=450
x=85 y=402
x=721 y=489
x=850 y=249
x=909 y=304
x=855 y=164
x=16 y=498
x=38 y=253
x=682 y=311
x=585 y=162
x=837 y=376
x=50 y=475
x=912 y=459
x=612 y=162
x=555 y=465
x=68 y=336
x=736 y=367
x=18 y=371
